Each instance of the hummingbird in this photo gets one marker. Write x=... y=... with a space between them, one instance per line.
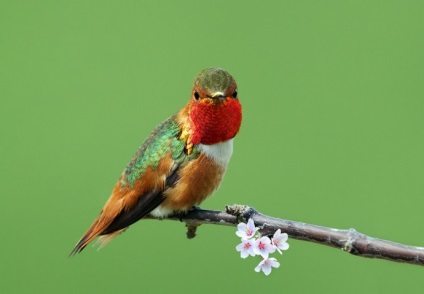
x=180 y=164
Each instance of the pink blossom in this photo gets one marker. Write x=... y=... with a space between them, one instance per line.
x=266 y=265
x=280 y=241
x=246 y=231
x=246 y=248
x=263 y=247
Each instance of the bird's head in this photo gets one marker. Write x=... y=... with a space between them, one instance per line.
x=214 y=109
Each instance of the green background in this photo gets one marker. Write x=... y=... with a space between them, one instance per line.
x=333 y=134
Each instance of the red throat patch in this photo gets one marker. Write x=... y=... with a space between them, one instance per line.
x=214 y=123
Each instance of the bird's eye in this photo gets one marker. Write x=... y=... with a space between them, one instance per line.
x=235 y=93
x=196 y=95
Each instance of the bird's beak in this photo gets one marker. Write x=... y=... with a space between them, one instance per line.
x=218 y=95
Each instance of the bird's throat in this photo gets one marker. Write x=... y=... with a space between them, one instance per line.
x=213 y=123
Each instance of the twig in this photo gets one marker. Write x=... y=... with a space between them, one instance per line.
x=349 y=240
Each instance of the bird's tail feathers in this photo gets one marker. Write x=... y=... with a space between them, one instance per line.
x=89 y=236
x=103 y=240
x=96 y=229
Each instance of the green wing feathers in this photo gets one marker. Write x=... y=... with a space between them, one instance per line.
x=163 y=139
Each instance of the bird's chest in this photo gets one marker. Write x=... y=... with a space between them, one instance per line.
x=198 y=179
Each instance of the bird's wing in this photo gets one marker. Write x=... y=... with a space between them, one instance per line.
x=140 y=188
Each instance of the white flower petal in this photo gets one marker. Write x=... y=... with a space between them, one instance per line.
x=273 y=262
x=284 y=246
x=284 y=237
x=270 y=248
x=244 y=254
x=241 y=230
x=259 y=266
x=266 y=269
x=251 y=224
x=240 y=234
x=242 y=227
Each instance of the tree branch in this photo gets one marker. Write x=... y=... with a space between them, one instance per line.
x=349 y=240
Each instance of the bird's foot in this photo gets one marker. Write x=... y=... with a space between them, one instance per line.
x=181 y=215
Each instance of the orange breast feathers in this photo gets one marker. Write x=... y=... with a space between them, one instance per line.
x=198 y=179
